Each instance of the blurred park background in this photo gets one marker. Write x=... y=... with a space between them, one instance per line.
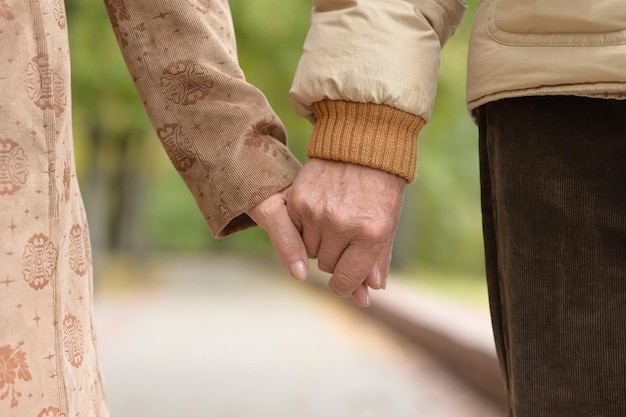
x=131 y=189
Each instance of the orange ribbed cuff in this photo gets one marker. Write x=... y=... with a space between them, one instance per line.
x=373 y=135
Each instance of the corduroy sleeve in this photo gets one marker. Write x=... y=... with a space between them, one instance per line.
x=218 y=130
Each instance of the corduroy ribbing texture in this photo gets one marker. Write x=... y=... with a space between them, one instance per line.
x=553 y=179
x=373 y=135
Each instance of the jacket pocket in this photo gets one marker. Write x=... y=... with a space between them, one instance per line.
x=557 y=22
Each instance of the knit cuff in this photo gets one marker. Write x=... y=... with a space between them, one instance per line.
x=373 y=135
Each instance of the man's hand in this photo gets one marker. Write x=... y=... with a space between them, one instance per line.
x=348 y=216
x=271 y=214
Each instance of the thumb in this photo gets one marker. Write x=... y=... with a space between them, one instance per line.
x=271 y=214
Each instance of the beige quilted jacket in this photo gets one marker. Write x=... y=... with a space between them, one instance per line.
x=367 y=76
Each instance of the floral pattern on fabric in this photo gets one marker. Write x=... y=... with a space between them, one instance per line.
x=39 y=261
x=203 y=6
x=59 y=13
x=186 y=82
x=13 y=167
x=45 y=87
x=5 y=11
x=118 y=13
x=51 y=412
x=73 y=340
x=77 y=250
x=177 y=145
x=263 y=135
x=13 y=368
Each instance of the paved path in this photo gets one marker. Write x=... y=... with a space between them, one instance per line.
x=227 y=338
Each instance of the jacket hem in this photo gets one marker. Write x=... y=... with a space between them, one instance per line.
x=616 y=91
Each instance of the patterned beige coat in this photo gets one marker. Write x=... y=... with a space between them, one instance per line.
x=218 y=130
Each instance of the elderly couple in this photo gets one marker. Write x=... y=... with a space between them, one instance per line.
x=546 y=85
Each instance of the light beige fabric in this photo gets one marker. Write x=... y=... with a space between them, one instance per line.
x=363 y=52
x=219 y=131
x=387 y=53
x=371 y=51
x=368 y=51
x=558 y=47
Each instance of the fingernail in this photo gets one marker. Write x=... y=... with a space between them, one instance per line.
x=378 y=279
x=362 y=296
x=384 y=284
x=298 y=270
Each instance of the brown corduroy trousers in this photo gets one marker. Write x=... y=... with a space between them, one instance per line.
x=553 y=179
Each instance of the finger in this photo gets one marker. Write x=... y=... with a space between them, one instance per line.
x=330 y=251
x=374 y=279
x=378 y=277
x=311 y=236
x=361 y=295
x=383 y=264
x=289 y=245
x=272 y=216
x=306 y=226
x=353 y=268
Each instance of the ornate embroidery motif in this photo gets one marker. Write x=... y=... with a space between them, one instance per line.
x=44 y=86
x=177 y=145
x=203 y=6
x=265 y=134
x=77 y=250
x=39 y=261
x=59 y=13
x=141 y=27
x=5 y=11
x=186 y=82
x=118 y=13
x=13 y=367
x=73 y=340
x=51 y=412
x=13 y=169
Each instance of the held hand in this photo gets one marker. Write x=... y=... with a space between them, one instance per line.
x=271 y=214
x=348 y=216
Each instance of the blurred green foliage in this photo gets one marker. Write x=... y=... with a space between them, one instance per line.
x=125 y=174
x=442 y=209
